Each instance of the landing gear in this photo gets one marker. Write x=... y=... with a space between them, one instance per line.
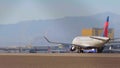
x=80 y=50
x=99 y=50
x=86 y=50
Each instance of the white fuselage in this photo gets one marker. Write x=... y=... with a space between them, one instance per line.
x=90 y=42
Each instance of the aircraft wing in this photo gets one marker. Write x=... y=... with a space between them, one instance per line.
x=114 y=41
x=115 y=50
x=62 y=43
x=112 y=50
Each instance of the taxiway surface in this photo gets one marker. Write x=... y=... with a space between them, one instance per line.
x=58 y=60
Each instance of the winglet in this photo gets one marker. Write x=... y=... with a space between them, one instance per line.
x=50 y=41
x=47 y=39
x=108 y=19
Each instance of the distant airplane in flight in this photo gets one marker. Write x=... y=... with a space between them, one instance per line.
x=94 y=44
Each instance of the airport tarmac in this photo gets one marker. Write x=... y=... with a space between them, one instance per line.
x=59 y=60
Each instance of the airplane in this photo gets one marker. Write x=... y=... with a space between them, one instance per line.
x=92 y=44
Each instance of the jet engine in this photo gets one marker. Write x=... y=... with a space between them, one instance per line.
x=73 y=48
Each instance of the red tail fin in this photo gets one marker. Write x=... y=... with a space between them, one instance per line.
x=106 y=27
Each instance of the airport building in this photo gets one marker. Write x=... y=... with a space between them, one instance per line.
x=96 y=32
x=49 y=49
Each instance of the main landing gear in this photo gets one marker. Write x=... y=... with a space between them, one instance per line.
x=86 y=50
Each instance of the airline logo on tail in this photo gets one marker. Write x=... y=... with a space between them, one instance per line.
x=105 y=32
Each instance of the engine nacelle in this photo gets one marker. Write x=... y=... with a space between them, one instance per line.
x=73 y=48
x=90 y=51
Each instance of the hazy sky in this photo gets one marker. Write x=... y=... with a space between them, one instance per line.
x=14 y=11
